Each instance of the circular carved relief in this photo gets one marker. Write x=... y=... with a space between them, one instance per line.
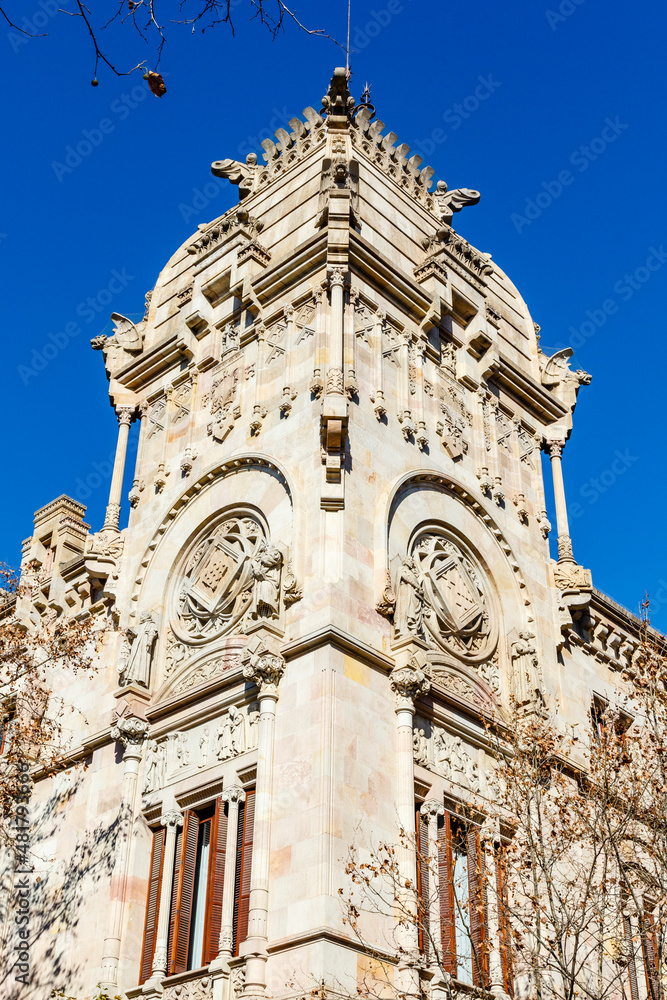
x=442 y=597
x=229 y=573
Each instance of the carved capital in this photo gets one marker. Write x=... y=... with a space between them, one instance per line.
x=337 y=276
x=172 y=817
x=130 y=731
x=410 y=681
x=555 y=448
x=431 y=809
x=565 y=548
x=263 y=667
x=234 y=795
x=125 y=415
x=490 y=831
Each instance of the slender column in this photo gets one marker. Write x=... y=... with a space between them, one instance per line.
x=564 y=541
x=337 y=277
x=406 y=683
x=131 y=732
x=172 y=819
x=134 y=496
x=265 y=669
x=430 y=813
x=233 y=796
x=490 y=835
x=125 y=416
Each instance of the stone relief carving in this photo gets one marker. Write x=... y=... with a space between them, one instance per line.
x=442 y=599
x=221 y=400
x=526 y=681
x=156 y=766
x=134 y=666
x=237 y=733
x=231 y=574
x=445 y=754
x=193 y=989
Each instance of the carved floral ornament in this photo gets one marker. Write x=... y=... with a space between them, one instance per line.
x=231 y=576
x=443 y=599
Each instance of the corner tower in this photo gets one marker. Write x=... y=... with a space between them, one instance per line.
x=336 y=568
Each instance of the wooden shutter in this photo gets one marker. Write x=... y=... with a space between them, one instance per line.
x=152 y=904
x=446 y=880
x=504 y=931
x=174 y=895
x=650 y=957
x=423 y=887
x=632 y=967
x=216 y=878
x=184 y=882
x=243 y=872
x=477 y=908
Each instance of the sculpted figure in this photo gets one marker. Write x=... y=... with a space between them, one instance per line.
x=266 y=572
x=182 y=749
x=161 y=764
x=138 y=666
x=224 y=737
x=203 y=747
x=449 y=202
x=409 y=598
x=526 y=673
x=237 y=731
x=152 y=782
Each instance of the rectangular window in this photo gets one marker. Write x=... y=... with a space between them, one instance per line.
x=462 y=905
x=195 y=913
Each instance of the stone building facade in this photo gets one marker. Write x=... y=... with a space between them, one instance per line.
x=336 y=568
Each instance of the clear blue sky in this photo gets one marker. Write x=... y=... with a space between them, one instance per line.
x=555 y=77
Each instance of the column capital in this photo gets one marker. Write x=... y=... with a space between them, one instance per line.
x=234 y=795
x=172 y=817
x=337 y=276
x=555 y=448
x=431 y=809
x=411 y=680
x=263 y=667
x=131 y=732
x=490 y=831
x=125 y=414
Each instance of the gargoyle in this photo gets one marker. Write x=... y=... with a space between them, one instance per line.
x=242 y=174
x=449 y=202
x=125 y=341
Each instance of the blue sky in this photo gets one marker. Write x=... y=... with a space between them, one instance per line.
x=567 y=147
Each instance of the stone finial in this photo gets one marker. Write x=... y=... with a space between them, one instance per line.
x=338 y=103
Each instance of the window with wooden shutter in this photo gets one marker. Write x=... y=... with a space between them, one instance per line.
x=181 y=913
x=422 y=881
x=152 y=905
x=462 y=901
x=650 y=950
x=504 y=930
x=477 y=905
x=216 y=878
x=632 y=966
x=243 y=871
x=445 y=868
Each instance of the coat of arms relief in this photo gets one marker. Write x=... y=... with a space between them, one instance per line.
x=232 y=577
x=442 y=598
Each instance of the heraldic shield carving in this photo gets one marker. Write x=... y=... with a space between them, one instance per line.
x=231 y=574
x=441 y=597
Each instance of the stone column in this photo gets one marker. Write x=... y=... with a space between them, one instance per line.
x=490 y=837
x=430 y=812
x=172 y=818
x=125 y=416
x=407 y=682
x=131 y=732
x=233 y=796
x=265 y=669
x=564 y=541
x=337 y=276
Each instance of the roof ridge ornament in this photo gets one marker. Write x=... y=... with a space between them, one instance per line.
x=338 y=103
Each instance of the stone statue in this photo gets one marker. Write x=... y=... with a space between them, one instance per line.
x=152 y=780
x=449 y=202
x=182 y=749
x=138 y=668
x=266 y=572
x=527 y=687
x=409 y=598
x=237 y=731
x=420 y=746
x=203 y=747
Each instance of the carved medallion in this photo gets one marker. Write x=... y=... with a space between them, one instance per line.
x=442 y=598
x=232 y=572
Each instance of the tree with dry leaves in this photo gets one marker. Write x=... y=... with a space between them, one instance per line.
x=37 y=651
x=570 y=887
x=150 y=23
